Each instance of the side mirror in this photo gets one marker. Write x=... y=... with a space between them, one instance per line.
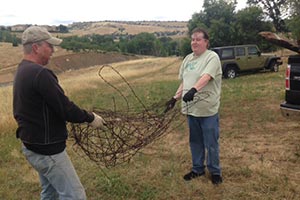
x=259 y=53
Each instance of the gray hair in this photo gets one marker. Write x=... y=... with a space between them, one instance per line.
x=27 y=48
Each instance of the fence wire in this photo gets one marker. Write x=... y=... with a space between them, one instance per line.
x=127 y=131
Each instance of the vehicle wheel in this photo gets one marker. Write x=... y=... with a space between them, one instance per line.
x=230 y=72
x=274 y=67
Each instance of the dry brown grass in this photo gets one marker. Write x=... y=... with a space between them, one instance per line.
x=141 y=70
x=11 y=56
x=6 y=117
x=260 y=151
x=61 y=61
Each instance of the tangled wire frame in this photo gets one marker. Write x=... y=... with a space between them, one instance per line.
x=125 y=133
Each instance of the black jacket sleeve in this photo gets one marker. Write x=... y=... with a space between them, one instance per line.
x=47 y=84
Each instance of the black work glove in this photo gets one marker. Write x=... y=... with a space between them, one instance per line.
x=189 y=96
x=170 y=104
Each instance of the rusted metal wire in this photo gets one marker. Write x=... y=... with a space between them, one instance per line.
x=127 y=131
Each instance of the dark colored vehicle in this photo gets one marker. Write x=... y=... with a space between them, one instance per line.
x=291 y=107
x=245 y=58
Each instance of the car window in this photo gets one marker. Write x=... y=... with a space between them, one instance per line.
x=217 y=51
x=252 y=51
x=227 y=53
x=240 y=51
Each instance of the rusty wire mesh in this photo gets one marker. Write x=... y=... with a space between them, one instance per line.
x=127 y=131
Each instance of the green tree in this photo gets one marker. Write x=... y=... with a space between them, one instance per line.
x=168 y=46
x=293 y=25
x=198 y=20
x=123 y=44
x=159 y=49
x=213 y=10
x=63 y=29
x=274 y=9
x=217 y=17
x=142 y=43
x=15 y=41
x=221 y=33
x=249 y=22
x=294 y=20
x=185 y=47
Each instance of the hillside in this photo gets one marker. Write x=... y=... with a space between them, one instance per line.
x=61 y=61
x=11 y=56
x=173 y=29
x=160 y=28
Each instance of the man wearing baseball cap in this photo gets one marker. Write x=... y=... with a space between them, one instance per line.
x=35 y=34
x=41 y=110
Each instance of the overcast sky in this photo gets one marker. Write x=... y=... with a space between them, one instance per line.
x=55 y=12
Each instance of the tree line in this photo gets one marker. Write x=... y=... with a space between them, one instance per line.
x=142 y=43
x=225 y=25
x=7 y=36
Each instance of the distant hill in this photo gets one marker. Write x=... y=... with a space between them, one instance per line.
x=172 y=29
x=159 y=28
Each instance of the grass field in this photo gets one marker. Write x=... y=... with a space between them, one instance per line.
x=259 y=149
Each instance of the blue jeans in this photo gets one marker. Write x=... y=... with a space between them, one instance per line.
x=58 y=177
x=204 y=136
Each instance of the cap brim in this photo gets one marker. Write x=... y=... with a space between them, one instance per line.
x=54 y=41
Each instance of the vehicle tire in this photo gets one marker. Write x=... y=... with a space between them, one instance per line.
x=230 y=72
x=274 y=67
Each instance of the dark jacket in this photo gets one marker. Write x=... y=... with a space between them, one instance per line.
x=40 y=106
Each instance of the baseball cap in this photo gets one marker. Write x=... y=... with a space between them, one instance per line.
x=38 y=34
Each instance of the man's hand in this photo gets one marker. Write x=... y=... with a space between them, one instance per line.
x=170 y=104
x=189 y=96
x=98 y=121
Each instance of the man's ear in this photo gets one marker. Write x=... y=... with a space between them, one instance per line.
x=35 y=47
